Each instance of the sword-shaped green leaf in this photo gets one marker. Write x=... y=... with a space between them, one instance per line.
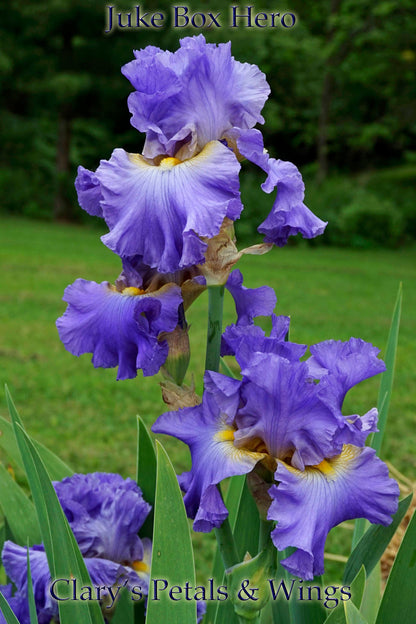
x=398 y=603
x=9 y=616
x=19 y=510
x=244 y=520
x=57 y=469
x=338 y=615
x=373 y=543
x=232 y=502
x=172 y=555
x=358 y=586
x=386 y=382
x=64 y=557
x=124 y=609
x=384 y=396
x=352 y=614
x=146 y=473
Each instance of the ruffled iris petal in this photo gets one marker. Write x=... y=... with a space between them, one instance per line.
x=14 y=559
x=196 y=94
x=250 y=302
x=104 y=573
x=118 y=329
x=306 y=505
x=289 y=215
x=349 y=362
x=89 y=192
x=245 y=340
x=206 y=430
x=160 y=212
x=225 y=392
x=105 y=513
x=18 y=604
x=340 y=366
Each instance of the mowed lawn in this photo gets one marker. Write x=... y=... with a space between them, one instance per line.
x=89 y=419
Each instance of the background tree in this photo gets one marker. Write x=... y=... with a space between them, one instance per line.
x=342 y=83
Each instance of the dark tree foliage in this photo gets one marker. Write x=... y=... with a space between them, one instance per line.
x=342 y=85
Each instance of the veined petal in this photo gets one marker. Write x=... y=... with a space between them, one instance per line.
x=245 y=340
x=238 y=338
x=18 y=604
x=306 y=505
x=282 y=408
x=105 y=573
x=225 y=391
x=160 y=212
x=105 y=513
x=138 y=274
x=349 y=362
x=14 y=559
x=118 y=329
x=340 y=366
x=289 y=215
x=195 y=95
x=141 y=568
x=214 y=457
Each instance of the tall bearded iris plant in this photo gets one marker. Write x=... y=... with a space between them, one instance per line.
x=296 y=463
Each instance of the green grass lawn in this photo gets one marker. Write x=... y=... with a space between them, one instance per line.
x=88 y=418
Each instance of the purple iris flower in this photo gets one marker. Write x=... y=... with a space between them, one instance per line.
x=197 y=107
x=105 y=513
x=120 y=325
x=279 y=415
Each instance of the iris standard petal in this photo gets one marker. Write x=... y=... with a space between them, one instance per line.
x=119 y=329
x=282 y=408
x=340 y=366
x=210 y=437
x=195 y=94
x=306 y=505
x=349 y=362
x=245 y=340
x=105 y=513
x=160 y=212
x=225 y=392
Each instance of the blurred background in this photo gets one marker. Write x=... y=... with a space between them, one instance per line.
x=342 y=106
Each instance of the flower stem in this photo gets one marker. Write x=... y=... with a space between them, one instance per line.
x=265 y=529
x=226 y=544
x=224 y=534
x=215 y=305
